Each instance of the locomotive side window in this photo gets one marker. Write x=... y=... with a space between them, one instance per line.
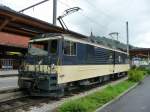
x=69 y=48
x=119 y=59
x=72 y=48
x=110 y=59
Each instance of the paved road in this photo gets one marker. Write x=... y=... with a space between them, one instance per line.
x=137 y=100
x=8 y=82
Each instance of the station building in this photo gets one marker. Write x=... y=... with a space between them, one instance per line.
x=140 y=56
x=12 y=50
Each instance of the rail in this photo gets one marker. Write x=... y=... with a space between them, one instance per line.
x=10 y=94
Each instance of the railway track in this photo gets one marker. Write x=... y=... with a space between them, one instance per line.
x=18 y=102
x=10 y=94
x=22 y=104
x=13 y=99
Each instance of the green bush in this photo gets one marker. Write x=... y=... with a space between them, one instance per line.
x=136 y=75
x=148 y=71
x=141 y=68
x=133 y=67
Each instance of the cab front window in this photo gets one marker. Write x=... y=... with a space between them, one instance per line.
x=43 y=47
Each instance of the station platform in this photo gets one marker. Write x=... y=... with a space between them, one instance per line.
x=8 y=83
x=8 y=73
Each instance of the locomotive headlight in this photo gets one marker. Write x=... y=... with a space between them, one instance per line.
x=52 y=66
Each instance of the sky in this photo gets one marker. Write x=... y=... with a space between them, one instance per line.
x=99 y=16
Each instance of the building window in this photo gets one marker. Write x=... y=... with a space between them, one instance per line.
x=69 y=48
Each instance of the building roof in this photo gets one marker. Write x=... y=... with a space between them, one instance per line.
x=13 y=40
x=141 y=49
x=140 y=52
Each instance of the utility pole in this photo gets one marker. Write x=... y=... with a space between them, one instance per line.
x=54 y=11
x=127 y=31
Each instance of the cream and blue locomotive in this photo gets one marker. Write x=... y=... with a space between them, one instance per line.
x=56 y=62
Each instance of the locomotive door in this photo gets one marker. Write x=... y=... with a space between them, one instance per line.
x=114 y=55
x=111 y=62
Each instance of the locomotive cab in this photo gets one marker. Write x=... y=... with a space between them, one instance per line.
x=38 y=74
x=44 y=48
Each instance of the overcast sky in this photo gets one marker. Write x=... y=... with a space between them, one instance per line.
x=99 y=16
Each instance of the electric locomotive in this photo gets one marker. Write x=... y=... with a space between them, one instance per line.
x=56 y=62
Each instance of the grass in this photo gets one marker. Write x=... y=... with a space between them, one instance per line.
x=95 y=100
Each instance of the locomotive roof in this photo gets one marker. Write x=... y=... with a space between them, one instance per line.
x=70 y=37
x=86 y=41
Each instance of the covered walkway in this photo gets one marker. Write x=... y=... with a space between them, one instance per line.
x=140 y=56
